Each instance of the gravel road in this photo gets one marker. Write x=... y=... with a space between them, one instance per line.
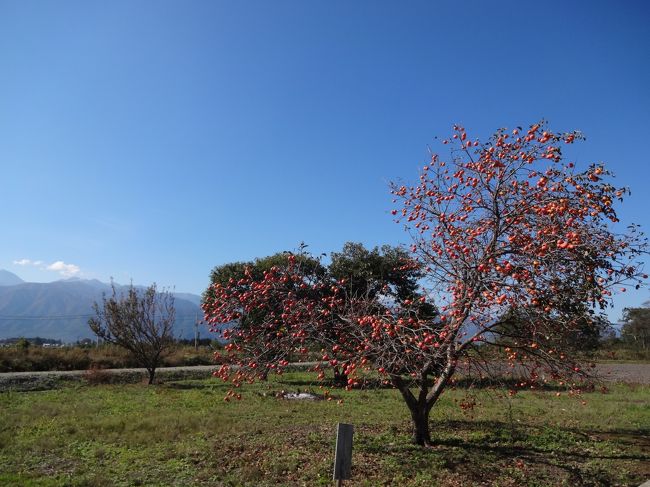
x=207 y=369
x=609 y=372
x=36 y=381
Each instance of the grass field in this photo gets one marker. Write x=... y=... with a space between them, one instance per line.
x=183 y=433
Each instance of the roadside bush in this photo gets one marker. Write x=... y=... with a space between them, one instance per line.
x=112 y=357
x=187 y=356
x=35 y=358
x=95 y=375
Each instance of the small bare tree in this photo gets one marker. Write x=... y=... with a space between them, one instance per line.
x=140 y=321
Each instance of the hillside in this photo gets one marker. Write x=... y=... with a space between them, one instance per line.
x=60 y=310
x=9 y=278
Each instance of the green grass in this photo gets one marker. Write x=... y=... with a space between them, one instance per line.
x=183 y=433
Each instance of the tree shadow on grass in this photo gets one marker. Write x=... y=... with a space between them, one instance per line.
x=510 y=383
x=198 y=385
x=541 y=439
x=300 y=382
x=185 y=386
x=461 y=383
x=477 y=450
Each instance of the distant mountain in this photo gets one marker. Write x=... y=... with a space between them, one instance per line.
x=9 y=278
x=61 y=309
x=192 y=298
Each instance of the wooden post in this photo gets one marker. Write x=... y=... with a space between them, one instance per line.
x=343 y=453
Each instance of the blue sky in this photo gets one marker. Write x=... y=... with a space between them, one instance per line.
x=153 y=140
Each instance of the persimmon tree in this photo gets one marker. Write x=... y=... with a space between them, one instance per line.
x=253 y=303
x=258 y=328
x=377 y=279
x=504 y=228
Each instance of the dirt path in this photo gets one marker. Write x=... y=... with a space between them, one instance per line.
x=632 y=373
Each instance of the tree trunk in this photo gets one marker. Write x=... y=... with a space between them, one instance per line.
x=152 y=373
x=340 y=379
x=419 y=409
x=420 y=416
x=420 y=406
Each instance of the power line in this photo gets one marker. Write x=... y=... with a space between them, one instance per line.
x=30 y=318
x=66 y=317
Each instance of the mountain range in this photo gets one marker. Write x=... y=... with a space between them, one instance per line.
x=60 y=310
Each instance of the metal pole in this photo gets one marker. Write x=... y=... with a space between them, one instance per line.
x=196 y=332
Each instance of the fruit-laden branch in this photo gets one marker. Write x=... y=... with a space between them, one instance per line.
x=514 y=248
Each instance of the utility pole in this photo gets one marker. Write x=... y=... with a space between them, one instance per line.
x=196 y=332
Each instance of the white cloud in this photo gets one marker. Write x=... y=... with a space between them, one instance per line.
x=66 y=270
x=24 y=262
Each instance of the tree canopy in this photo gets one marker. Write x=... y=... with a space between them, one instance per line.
x=139 y=321
x=504 y=224
x=636 y=327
